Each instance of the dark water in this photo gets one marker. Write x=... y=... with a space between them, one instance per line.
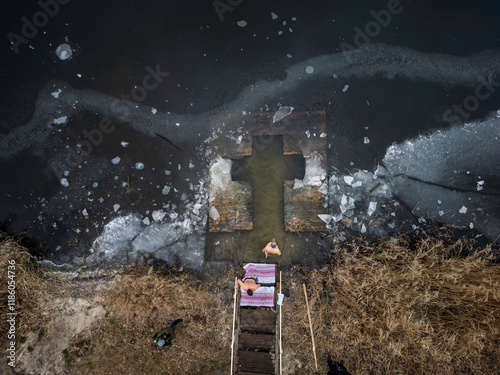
x=210 y=60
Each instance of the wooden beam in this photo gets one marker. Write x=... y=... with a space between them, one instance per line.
x=258 y=320
x=259 y=362
x=256 y=341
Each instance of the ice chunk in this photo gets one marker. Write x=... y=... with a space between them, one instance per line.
x=348 y=180
x=441 y=213
x=371 y=208
x=480 y=185
x=124 y=144
x=55 y=94
x=281 y=113
x=146 y=221
x=158 y=215
x=64 y=182
x=463 y=210
x=241 y=23
x=79 y=75
x=325 y=218
x=315 y=173
x=116 y=207
x=115 y=160
x=357 y=184
x=60 y=120
x=167 y=172
x=298 y=184
x=363 y=228
x=309 y=69
x=471 y=225
x=85 y=213
x=214 y=214
x=139 y=165
x=345 y=88
x=95 y=184
x=366 y=140
x=343 y=201
x=63 y=51
x=165 y=190
x=308 y=133
x=238 y=141
x=274 y=15
x=153 y=110
x=322 y=135
x=220 y=173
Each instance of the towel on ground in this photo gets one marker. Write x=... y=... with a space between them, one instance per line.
x=266 y=273
x=263 y=296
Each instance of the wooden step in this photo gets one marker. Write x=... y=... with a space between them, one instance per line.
x=255 y=362
x=257 y=341
x=263 y=321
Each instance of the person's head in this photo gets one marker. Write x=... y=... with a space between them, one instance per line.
x=250 y=292
x=273 y=244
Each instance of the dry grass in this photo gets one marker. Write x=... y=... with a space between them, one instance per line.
x=34 y=290
x=384 y=309
x=139 y=305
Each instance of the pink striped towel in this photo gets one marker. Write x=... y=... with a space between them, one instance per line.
x=266 y=273
x=263 y=296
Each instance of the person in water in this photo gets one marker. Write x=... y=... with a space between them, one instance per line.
x=271 y=248
x=248 y=284
x=163 y=339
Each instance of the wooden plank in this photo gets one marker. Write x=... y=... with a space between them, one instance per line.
x=234 y=206
x=302 y=207
x=259 y=362
x=257 y=320
x=250 y=373
x=256 y=341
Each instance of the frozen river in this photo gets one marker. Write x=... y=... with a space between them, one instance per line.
x=105 y=141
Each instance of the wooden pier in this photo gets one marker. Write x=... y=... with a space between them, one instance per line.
x=257 y=339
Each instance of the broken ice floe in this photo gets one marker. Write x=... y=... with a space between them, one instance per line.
x=274 y=15
x=139 y=165
x=345 y=88
x=64 y=52
x=214 y=214
x=241 y=23
x=165 y=190
x=282 y=112
x=55 y=94
x=366 y=140
x=124 y=144
x=158 y=215
x=463 y=210
x=64 y=182
x=309 y=69
x=116 y=160
x=153 y=110
x=60 y=120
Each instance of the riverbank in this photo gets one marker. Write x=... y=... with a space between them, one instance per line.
x=386 y=306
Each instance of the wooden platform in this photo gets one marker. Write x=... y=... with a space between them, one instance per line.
x=256 y=340
x=231 y=138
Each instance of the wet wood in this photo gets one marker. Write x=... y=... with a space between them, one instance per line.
x=257 y=320
x=256 y=362
x=302 y=207
x=234 y=206
x=257 y=341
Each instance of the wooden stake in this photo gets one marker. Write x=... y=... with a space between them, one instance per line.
x=310 y=326
x=234 y=321
x=281 y=348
